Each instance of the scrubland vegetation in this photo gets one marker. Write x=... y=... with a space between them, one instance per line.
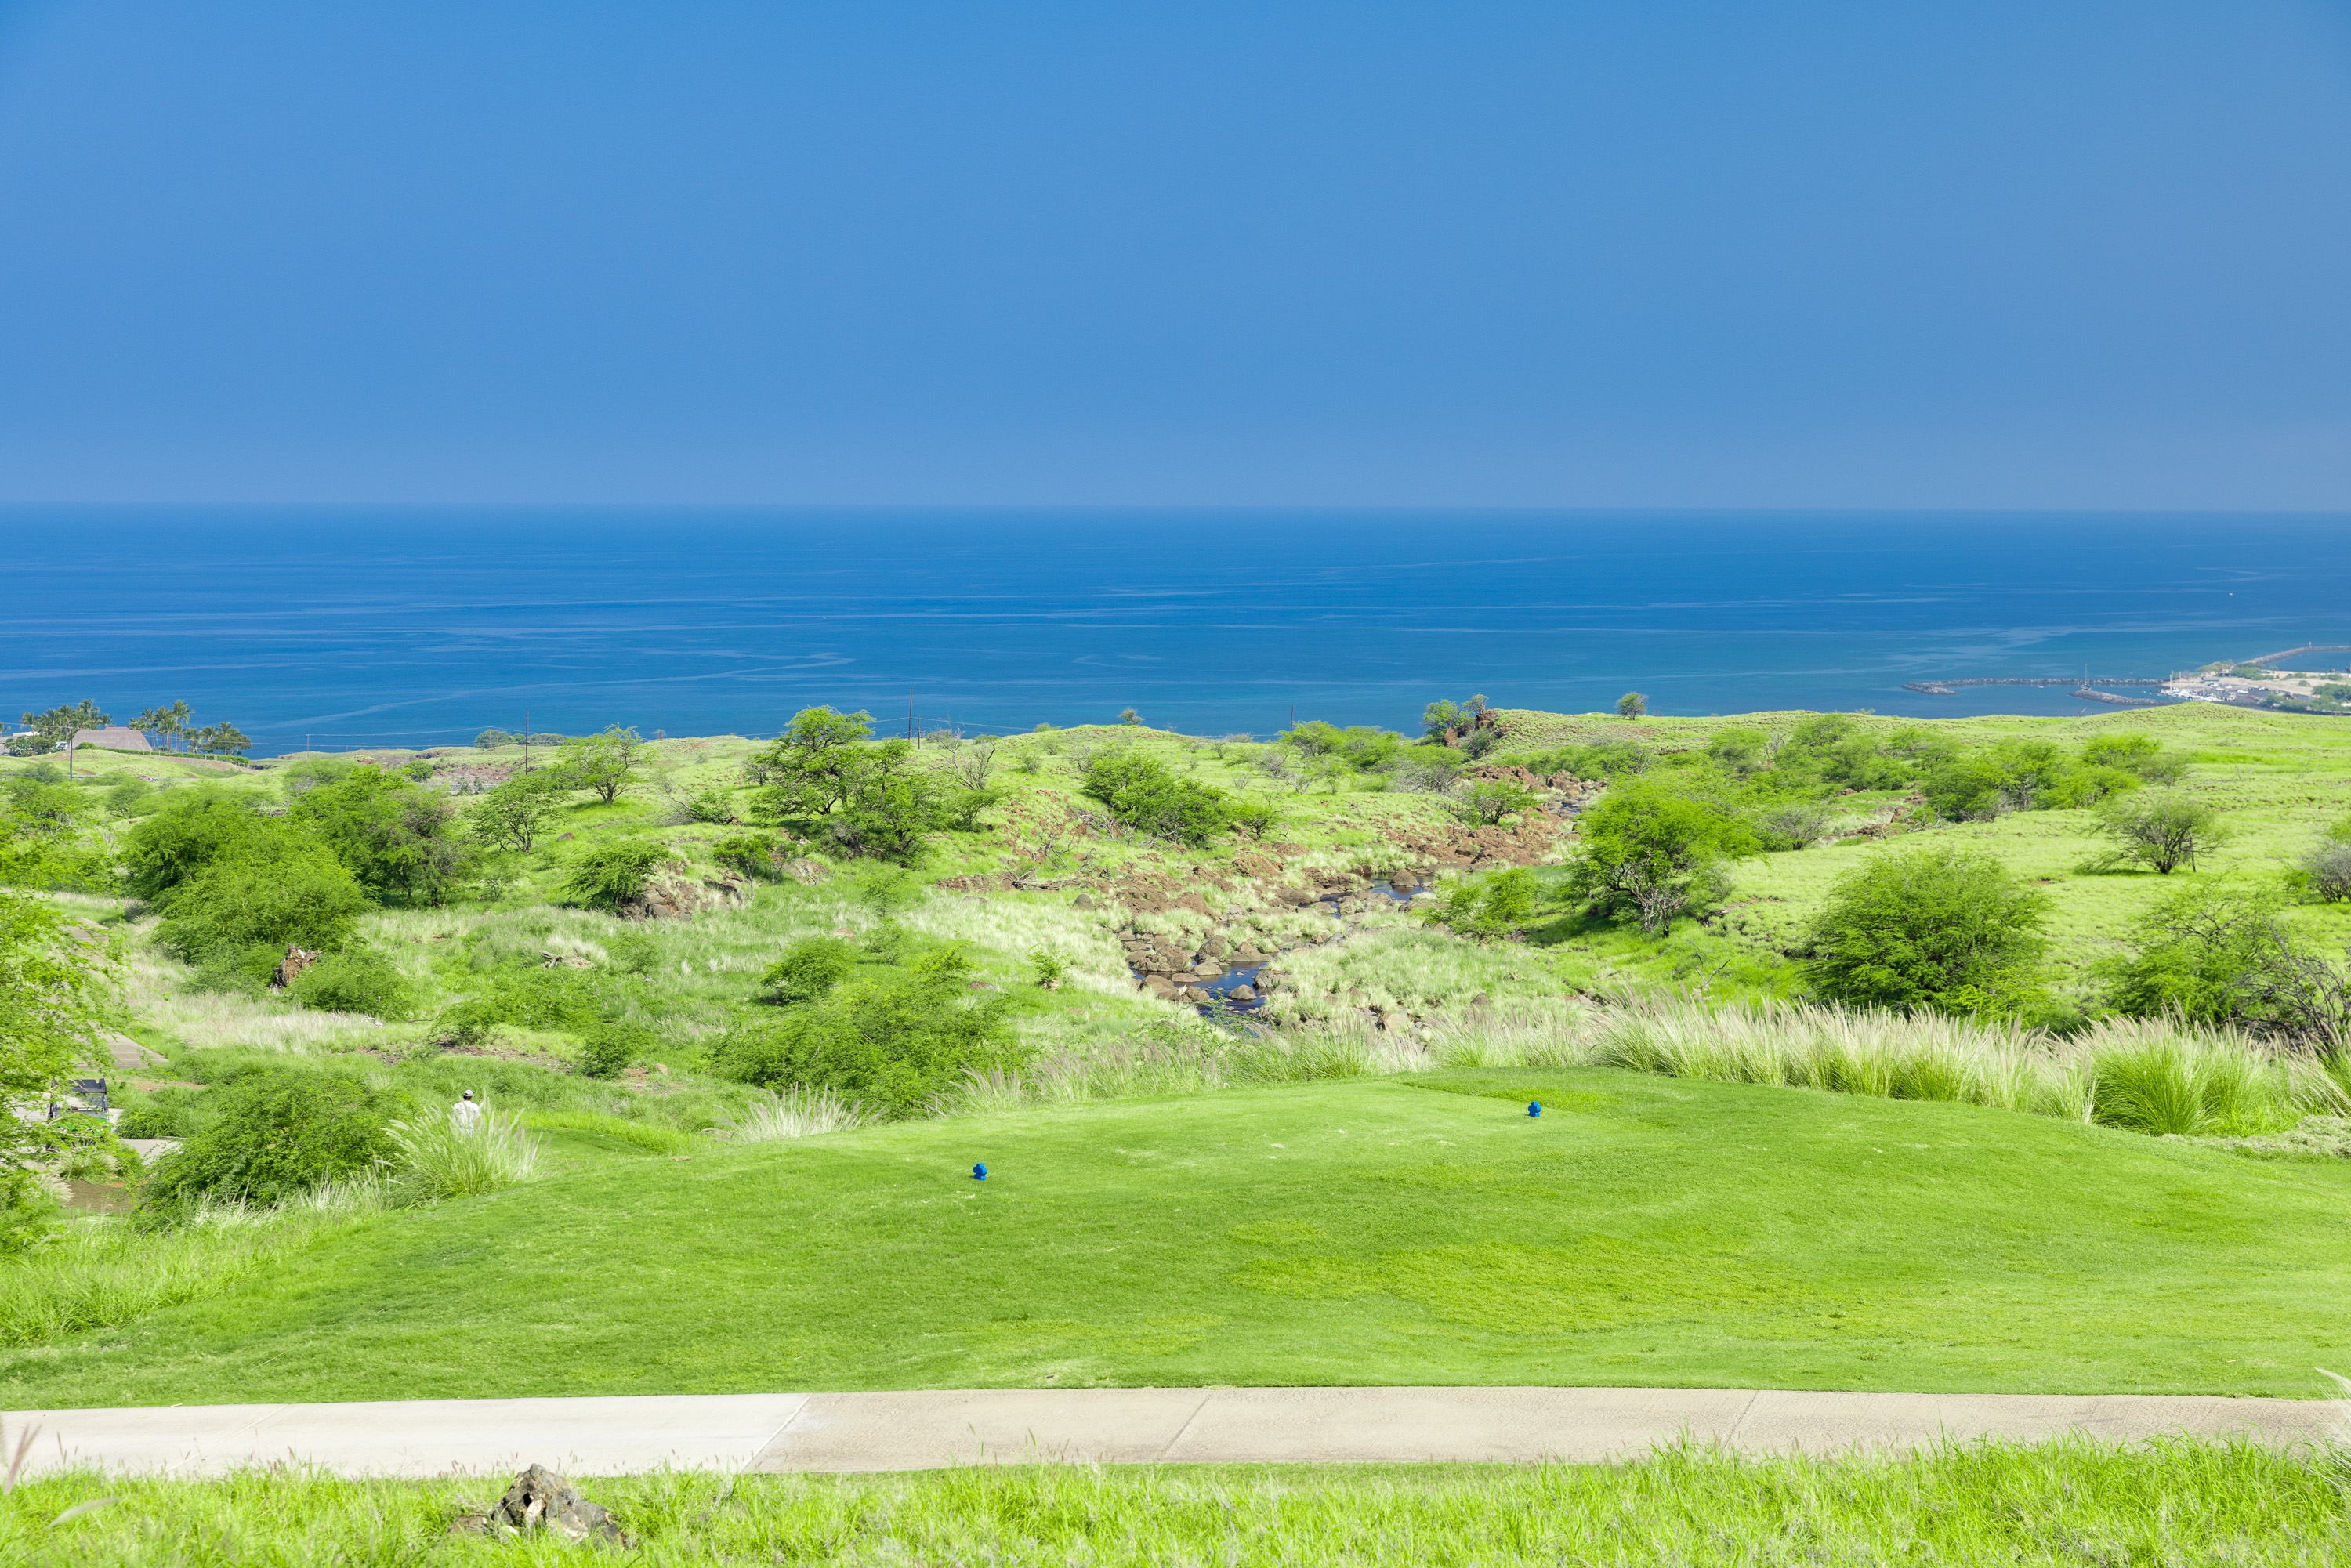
x=827 y=960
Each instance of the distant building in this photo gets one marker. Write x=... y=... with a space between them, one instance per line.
x=115 y=737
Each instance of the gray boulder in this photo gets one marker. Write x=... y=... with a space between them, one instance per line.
x=541 y=1499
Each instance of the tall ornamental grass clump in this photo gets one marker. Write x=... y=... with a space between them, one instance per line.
x=2154 y=1076
x=1795 y=1045
x=794 y=1113
x=437 y=1158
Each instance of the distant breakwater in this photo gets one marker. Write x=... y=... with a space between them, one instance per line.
x=2085 y=690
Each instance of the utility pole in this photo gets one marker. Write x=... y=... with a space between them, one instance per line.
x=910 y=713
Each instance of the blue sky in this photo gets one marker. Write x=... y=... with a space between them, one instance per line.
x=1660 y=253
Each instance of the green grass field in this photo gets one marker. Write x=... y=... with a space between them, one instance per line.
x=1644 y=1231
x=2071 y=1503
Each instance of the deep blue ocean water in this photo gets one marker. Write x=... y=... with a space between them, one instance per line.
x=353 y=626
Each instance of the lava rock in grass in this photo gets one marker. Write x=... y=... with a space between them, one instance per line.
x=1083 y=901
x=541 y=1499
x=290 y=968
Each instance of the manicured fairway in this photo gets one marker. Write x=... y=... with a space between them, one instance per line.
x=1642 y=1231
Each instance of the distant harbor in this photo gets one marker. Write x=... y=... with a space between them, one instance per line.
x=2087 y=690
x=2221 y=683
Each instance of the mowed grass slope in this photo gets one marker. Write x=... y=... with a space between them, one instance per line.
x=1643 y=1231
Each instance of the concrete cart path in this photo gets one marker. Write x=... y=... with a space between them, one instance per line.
x=924 y=1429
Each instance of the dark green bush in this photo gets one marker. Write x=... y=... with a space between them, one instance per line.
x=243 y=906
x=1142 y=793
x=555 y=999
x=611 y=1049
x=1933 y=929
x=608 y=875
x=2219 y=954
x=809 y=969
x=194 y=827
x=166 y=1113
x=401 y=841
x=889 y=1041
x=356 y=980
x=276 y=1134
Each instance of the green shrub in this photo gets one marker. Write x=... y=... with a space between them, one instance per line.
x=608 y=875
x=2220 y=954
x=238 y=905
x=809 y=969
x=398 y=838
x=275 y=1134
x=237 y=971
x=1934 y=929
x=889 y=1042
x=491 y=739
x=1489 y=800
x=356 y=980
x=2141 y=756
x=711 y=806
x=2326 y=870
x=753 y=854
x=560 y=1000
x=30 y=1212
x=130 y=796
x=191 y=828
x=1487 y=907
x=609 y=1049
x=166 y=1113
x=1047 y=968
x=1142 y=793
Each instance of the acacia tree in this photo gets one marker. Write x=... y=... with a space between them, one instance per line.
x=1632 y=704
x=1489 y=800
x=824 y=776
x=508 y=814
x=1653 y=853
x=603 y=764
x=2159 y=828
x=2222 y=956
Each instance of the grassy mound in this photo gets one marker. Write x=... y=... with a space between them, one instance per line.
x=1643 y=1231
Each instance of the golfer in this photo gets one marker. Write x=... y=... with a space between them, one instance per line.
x=466 y=1115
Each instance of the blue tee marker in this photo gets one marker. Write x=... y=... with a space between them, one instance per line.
x=979 y=1173
x=1534 y=1107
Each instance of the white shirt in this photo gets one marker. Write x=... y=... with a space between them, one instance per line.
x=466 y=1115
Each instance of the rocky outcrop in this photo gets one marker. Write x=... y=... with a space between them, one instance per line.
x=540 y=1499
x=675 y=893
x=291 y=966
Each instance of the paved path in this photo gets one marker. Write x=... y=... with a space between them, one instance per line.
x=926 y=1430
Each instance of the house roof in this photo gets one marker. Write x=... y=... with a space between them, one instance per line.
x=119 y=737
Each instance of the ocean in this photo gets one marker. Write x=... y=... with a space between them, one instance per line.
x=343 y=627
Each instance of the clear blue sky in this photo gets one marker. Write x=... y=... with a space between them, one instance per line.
x=2043 y=254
